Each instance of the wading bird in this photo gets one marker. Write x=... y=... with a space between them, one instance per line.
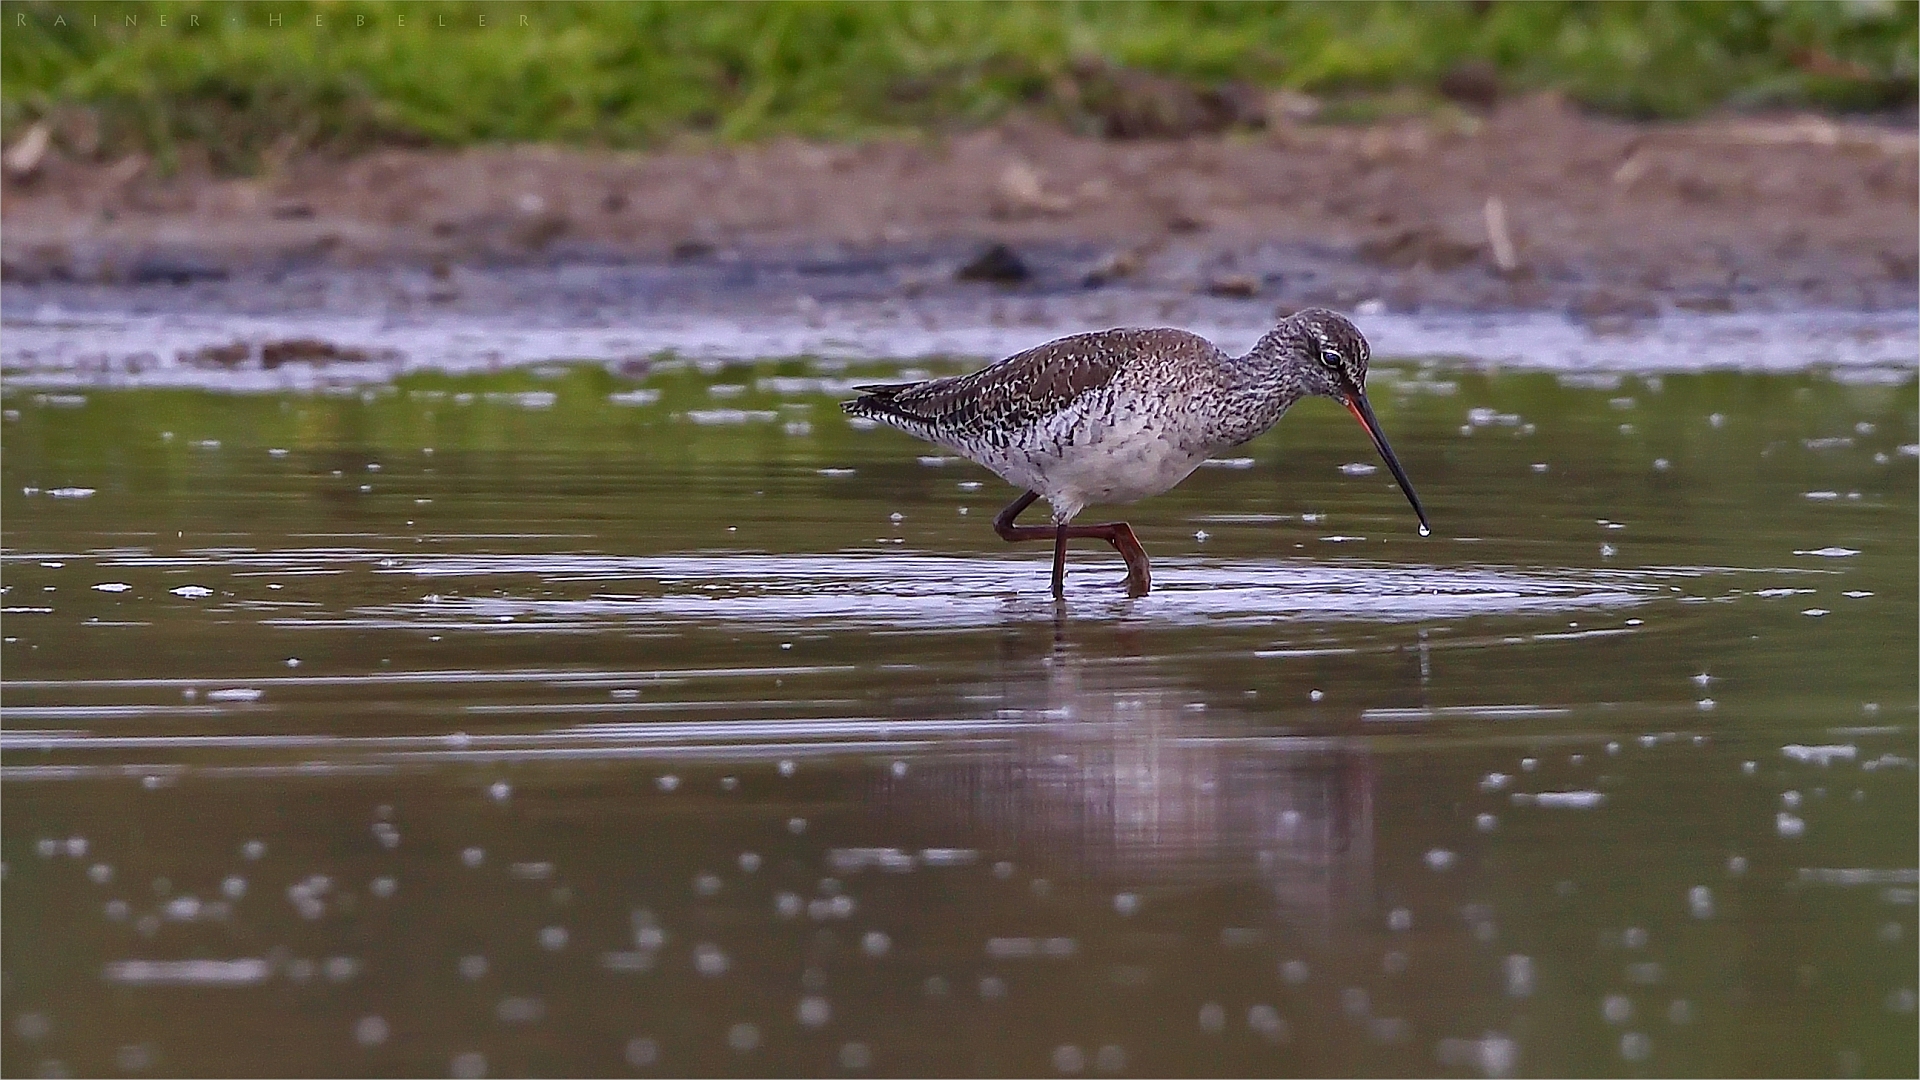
x=1117 y=416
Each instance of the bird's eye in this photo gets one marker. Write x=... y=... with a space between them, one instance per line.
x=1330 y=356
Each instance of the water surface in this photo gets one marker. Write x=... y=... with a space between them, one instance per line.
x=550 y=722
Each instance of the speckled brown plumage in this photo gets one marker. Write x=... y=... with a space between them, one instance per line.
x=1027 y=386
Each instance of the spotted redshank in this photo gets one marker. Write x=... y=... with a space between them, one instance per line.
x=1117 y=416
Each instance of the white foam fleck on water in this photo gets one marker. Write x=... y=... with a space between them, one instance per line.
x=875 y=943
x=1399 y=919
x=1736 y=865
x=1486 y=822
x=1645 y=973
x=519 y=1010
x=1858 y=875
x=796 y=825
x=1126 y=903
x=472 y=968
x=242 y=972
x=1635 y=1046
x=813 y=1011
x=1572 y=800
x=113 y=586
x=641 y=1053
x=1820 y=755
x=1518 y=970
x=471 y=1065
x=1069 y=1059
x=192 y=592
x=1213 y=1018
x=1295 y=972
x=500 y=791
x=709 y=959
x=553 y=938
x=1616 y=1009
x=473 y=856
x=1359 y=468
x=710 y=417
x=236 y=693
x=749 y=862
x=1700 y=902
x=1266 y=1022
x=1494 y=1055
x=1788 y=825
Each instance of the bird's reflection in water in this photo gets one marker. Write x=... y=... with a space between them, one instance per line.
x=1126 y=778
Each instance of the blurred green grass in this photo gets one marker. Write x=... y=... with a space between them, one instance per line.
x=340 y=77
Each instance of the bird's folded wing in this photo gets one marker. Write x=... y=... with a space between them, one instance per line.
x=1025 y=387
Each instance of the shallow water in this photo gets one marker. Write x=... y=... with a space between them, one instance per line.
x=528 y=724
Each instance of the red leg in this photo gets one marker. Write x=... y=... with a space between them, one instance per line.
x=1120 y=535
x=1011 y=533
x=1059 y=562
x=1117 y=533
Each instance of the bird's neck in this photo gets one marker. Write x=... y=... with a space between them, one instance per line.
x=1260 y=388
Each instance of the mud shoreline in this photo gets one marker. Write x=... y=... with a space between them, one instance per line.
x=1536 y=215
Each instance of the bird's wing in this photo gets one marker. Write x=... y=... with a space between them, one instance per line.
x=1025 y=387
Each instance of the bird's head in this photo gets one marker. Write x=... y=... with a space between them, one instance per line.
x=1327 y=355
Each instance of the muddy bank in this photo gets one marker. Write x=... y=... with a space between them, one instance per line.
x=358 y=329
x=1534 y=207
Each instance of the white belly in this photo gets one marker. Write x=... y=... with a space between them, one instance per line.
x=1126 y=451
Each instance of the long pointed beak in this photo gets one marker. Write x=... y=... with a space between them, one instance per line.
x=1363 y=412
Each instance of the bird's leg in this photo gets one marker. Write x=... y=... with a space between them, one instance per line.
x=1120 y=535
x=1011 y=533
x=1059 y=562
x=1117 y=533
